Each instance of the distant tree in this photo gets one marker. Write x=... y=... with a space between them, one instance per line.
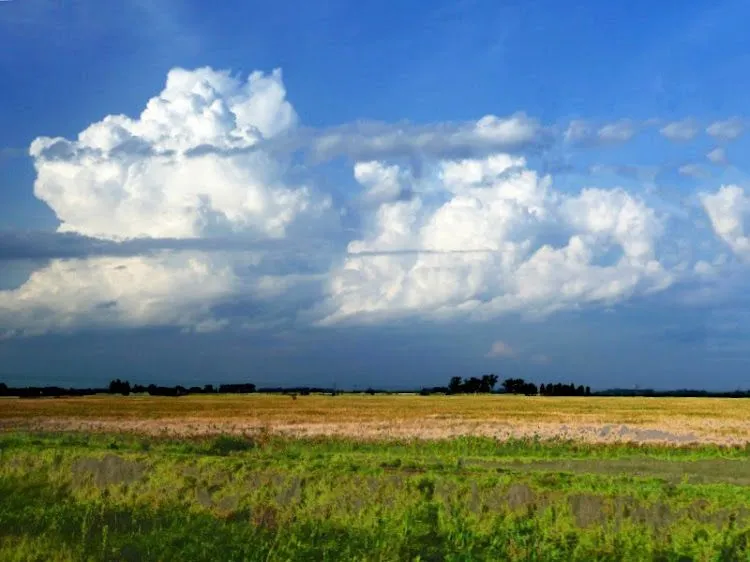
x=208 y=388
x=3 y=389
x=514 y=386
x=455 y=386
x=248 y=388
x=473 y=385
x=587 y=391
x=119 y=387
x=542 y=390
x=488 y=383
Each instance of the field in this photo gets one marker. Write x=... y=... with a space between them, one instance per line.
x=374 y=478
x=667 y=420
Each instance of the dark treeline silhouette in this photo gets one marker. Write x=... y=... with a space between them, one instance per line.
x=557 y=389
x=124 y=388
x=474 y=385
x=457 y=385
x=680 y=393
x=47 y=391
x=519 y=386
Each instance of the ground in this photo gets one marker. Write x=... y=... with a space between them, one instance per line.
x=385 y=478
x=592 y=419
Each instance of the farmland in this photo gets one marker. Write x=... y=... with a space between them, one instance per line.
x=374 y=478
x=669 y=420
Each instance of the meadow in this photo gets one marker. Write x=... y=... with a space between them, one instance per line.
x=235 y=487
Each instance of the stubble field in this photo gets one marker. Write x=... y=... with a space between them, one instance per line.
x=594 y=419
x=362 y=477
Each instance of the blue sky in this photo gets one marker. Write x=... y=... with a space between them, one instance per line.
x=538 y=189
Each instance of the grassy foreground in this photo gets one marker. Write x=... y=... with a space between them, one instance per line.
x=126 y=497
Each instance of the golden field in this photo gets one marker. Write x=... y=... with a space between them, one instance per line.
x=670 y=420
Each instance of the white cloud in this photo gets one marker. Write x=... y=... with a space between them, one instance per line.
x=620 y=131
x=693 y=171
x=728 y=211
x=375 y=141
x=727 y=130
x=491 y=249
x=125 y=178
x=474 y=232
x=704 y=269
x=684 y=130
x=382 y=183
x=718 y=156
x=578 y=131
x=179 y=289
x=162 y=290
x=501 y=349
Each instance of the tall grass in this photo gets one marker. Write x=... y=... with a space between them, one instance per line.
x=102 y=497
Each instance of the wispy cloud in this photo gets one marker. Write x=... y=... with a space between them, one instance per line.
x=727 y=130
x=692 y=170
x=718 y=156
x=684 y=130
x=620 y=131
x=372 y=141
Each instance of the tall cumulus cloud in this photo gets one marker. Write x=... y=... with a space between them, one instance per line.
x=475 y=233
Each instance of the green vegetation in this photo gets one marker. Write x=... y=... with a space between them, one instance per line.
x=102 y=497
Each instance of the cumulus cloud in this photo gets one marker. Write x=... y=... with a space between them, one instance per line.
x=684 y=130
x=727 y=130
x=192 y=290
x=125 y=178
x=21 y=245
x=164 y=290
x=192 y=213
x=499 y=240
x=382 y=184
x=728 y=210
x=501 y=349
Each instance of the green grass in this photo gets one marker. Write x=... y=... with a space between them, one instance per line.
x=103 y=497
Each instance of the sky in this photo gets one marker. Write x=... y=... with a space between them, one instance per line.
x=375 y=193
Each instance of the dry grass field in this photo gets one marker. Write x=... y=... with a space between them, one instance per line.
x=594 y=419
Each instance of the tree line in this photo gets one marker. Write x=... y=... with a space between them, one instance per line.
x=457 y=385
x=486 y=384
